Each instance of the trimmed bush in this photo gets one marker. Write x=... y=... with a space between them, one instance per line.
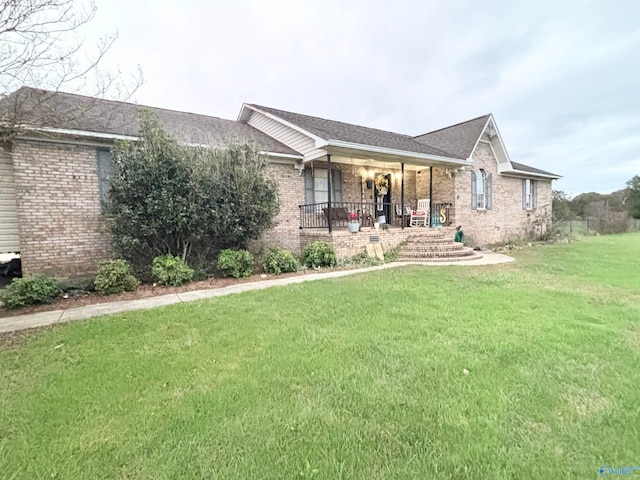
x=115 y=276
x=319 y=254
x=278 y=260
x=35 y=290
x=170 y=270
x=235 y=263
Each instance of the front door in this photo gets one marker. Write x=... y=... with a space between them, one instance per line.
x=383 y=201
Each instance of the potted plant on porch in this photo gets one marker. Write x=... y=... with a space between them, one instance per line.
x=354 y=222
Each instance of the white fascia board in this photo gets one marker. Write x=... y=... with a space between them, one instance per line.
x=522 y=173
x=484 y=129
x=81 y=133
x=320 y=142
x=399 y=153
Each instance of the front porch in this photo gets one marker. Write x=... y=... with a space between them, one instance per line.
x=338 y=215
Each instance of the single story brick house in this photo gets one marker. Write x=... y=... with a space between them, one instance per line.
x=55 y=161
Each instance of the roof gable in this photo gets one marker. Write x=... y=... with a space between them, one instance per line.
x=345 y=132
x=459 y=139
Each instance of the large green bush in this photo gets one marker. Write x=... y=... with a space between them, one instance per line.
x=319 y=254
x=170 y=270
x=115 y=276
x=278 y=260
x=190 y=202
x=235 y=263
x=34 y=290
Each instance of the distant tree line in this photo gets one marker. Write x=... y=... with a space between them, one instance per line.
x=608 y=213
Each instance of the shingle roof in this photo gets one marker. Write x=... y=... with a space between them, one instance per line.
x=346 y=132
x=43 y=108
x=459 y=139
x=526 y=168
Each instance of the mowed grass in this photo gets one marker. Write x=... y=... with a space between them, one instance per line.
x=359 y=378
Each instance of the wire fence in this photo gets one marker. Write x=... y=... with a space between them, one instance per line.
x=600 y=225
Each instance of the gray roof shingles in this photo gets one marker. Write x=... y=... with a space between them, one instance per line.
x=346 y=132
x=43 y=108
x=459 y=139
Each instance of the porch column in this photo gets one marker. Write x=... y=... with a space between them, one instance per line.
x=430 y=196
x=402 y=192
x=329 y=183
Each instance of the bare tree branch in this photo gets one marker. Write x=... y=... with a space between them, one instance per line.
x=41 y=47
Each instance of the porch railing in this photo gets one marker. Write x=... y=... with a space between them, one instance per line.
x=316 y=215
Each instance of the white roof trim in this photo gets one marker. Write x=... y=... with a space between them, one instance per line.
x=80 y=133
x=400 y=153
x=116 y=136
x=522 y=173
x=320 y=142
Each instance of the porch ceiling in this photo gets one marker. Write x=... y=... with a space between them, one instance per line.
x=378 y=159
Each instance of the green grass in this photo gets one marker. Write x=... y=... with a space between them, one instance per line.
x=358 y=378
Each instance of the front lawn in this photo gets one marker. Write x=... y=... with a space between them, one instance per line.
x=360 y=377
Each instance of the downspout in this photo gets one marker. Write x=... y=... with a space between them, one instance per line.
x=430 y=196
x=402 y=192
x=330 y=184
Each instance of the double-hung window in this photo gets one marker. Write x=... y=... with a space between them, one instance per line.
x=481 y=190
x=316 y=186
x=529 y=199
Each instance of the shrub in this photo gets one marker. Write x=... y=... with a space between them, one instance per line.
x=319 y=254
x=278 y=260
x=391 y=255
x=170 y=270
x=360 y=260
x=34 y=290
x=191 y=202
x=115 y=276
x=235 y=263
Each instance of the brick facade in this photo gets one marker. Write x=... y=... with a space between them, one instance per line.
x=62 y=231
x=507 y=219
x=286 y=232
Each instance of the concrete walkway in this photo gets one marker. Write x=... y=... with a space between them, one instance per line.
x=21 y=322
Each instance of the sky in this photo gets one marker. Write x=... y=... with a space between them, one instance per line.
x=561 y=77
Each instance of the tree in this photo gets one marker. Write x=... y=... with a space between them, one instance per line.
x=191 y=202
x=41 y=46
x=632 y=200
x=560 y=206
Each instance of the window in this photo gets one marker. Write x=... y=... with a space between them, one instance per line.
x=481 y=190
x=104 y=171
x=481 y=184
x=529 y=190
x=317 y=185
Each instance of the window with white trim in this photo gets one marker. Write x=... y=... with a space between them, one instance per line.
x=529 y=199
x=481 y=190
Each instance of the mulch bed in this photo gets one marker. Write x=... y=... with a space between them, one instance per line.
x=146 y=291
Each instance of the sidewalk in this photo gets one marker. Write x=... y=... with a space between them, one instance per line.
x=21 y=322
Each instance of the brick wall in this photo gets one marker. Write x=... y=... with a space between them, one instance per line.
x=507 y=219
x=62 y=231
x=286 y=232
x=348 y=244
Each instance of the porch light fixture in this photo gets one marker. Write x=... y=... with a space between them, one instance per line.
x=398 y=175
x=371 y=173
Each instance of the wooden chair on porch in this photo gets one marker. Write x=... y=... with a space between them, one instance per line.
x=407 y=215
x=420 y=216
x=338 y=215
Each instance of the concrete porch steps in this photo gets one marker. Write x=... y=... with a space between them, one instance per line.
x=464 y=259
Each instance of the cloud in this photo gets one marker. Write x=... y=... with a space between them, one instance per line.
x=560 y=77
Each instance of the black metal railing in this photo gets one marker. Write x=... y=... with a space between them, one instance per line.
x=316 y=215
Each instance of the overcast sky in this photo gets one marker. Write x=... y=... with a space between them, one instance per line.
x=562 y=78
